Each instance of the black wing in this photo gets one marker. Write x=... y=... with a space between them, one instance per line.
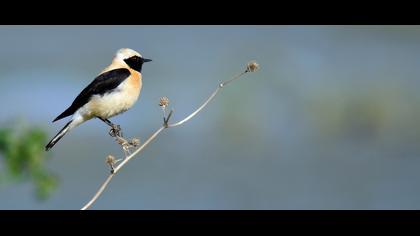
x=102 y=84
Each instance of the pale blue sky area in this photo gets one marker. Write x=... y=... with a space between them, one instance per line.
x=329 y=122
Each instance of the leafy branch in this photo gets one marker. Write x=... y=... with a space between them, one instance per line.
x=23 y=159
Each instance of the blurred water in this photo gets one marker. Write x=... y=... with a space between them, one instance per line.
x=329 y=122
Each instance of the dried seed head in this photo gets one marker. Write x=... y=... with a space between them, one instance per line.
x=110 y=160
x=121 y=141
x=164 y=101
x=252 y=66
x=135 y=142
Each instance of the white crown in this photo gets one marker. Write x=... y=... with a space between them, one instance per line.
x=125 y=53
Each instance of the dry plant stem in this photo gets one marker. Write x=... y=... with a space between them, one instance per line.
x=115 y=170
x=99 y=192
x=164 y=113
x=154 y=135
x=221 y=85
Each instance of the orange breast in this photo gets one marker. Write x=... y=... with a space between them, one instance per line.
x=135 y=80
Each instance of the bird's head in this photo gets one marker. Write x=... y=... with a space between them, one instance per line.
x=132 y=58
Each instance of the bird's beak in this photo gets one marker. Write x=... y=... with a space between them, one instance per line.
x=146 y=60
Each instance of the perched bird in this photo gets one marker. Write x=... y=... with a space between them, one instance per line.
x=112 y=92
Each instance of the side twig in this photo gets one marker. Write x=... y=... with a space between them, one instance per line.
x=251 y=67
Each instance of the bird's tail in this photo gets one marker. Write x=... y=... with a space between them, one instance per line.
x=57 y=137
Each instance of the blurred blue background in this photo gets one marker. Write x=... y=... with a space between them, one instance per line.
x=330 y=121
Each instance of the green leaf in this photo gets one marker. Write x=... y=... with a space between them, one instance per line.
x=23 y=153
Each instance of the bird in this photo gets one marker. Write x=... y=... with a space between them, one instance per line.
x=114 y=91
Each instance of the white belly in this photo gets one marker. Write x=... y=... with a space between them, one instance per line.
x=111 y=104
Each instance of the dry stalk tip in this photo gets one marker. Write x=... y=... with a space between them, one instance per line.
x=252 y=66
x=164 y=102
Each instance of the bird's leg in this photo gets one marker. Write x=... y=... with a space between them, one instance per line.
x=116 y=132
x=115 y=129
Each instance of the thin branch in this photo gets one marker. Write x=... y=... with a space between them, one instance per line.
x=221 y=85
x=101 y=189
x=139 y=149
x=251 y=67
x=114 y=171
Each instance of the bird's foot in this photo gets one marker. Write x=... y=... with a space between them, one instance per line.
x=116 y=131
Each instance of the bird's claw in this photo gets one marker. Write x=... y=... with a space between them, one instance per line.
x=115 y=131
